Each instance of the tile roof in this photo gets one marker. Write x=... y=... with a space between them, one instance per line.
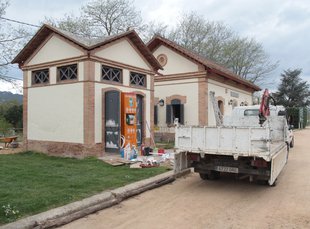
x=85 y=43
x=157 y=40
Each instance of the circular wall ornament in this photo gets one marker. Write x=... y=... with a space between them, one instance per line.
x=162 y=59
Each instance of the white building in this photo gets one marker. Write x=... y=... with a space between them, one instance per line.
x=72 y=89
x=182 y=88
x=73 y=86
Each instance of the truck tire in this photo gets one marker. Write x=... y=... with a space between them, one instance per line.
x=214 y=175
x=292 y=143
x=204 y=176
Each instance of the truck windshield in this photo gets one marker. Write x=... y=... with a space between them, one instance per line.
x=251 y=112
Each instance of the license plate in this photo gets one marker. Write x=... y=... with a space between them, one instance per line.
x=226 y=169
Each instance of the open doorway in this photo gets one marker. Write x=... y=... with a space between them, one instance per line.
x=139 y=119
x=175 y=110
x=221 y=106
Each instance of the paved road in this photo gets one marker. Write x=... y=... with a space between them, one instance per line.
x=227 y=203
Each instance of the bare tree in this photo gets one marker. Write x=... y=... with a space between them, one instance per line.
x=110 y=17
x=154 y=28
x=11 y=40
x=191 y=32
x=248 y=59
x=216 y=41
x=78 y=25
x=3 y=5
x=100 y=18
x=203 y=37
x=3 y=37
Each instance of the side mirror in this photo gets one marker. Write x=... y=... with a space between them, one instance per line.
x=291 y=127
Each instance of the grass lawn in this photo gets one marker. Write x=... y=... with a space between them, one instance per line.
x=33 y=183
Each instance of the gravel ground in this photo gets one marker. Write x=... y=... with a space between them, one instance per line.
x=10 y=150
x=191 y=202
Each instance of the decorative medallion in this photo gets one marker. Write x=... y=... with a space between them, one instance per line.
x=162 y=59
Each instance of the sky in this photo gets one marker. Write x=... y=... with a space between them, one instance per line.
x=282 y=26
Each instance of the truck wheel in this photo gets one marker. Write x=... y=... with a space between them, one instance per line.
x=214 y=175
x=204 y=176
x=292 y=143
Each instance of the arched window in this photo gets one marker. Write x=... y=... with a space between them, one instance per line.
x=221 y=106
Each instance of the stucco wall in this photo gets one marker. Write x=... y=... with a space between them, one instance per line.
x=55 y=49
x=175 y=62
x=125 y=87
x=55 y=113
x=224 y=91
x=188 y=88
x=123 y=52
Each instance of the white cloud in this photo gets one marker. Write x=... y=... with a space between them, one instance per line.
x=283 y=26
x=162 y=10
x=16 y=88
x=34 y=11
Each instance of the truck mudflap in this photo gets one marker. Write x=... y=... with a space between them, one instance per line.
x=180 y=162
x=277 y=163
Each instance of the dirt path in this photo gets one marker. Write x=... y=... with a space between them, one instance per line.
x=193 y=203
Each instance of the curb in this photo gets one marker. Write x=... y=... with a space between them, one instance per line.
x=73 y=211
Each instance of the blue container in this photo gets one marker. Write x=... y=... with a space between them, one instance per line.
x=122 y=153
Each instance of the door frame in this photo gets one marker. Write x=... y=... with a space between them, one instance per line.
x=143 y=95
x=103 y=97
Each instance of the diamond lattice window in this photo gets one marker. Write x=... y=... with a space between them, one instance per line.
x=137 y=79
x=111 y=74
x=67 y=72
x=40 y=76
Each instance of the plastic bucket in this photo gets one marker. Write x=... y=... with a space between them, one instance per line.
x=122 y=152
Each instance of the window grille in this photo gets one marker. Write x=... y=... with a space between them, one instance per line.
x=137 y=79
x=68 y=72
x=40 y=76
x=111 y=74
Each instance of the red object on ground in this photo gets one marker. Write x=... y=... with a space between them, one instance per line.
x=161 y=151
x=149 y=165
x=8 y=140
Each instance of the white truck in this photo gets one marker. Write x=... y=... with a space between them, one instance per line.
x=240 y=145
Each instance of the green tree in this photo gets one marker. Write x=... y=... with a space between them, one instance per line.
x=14 y=115
x=293 y=91
x=5 y=127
